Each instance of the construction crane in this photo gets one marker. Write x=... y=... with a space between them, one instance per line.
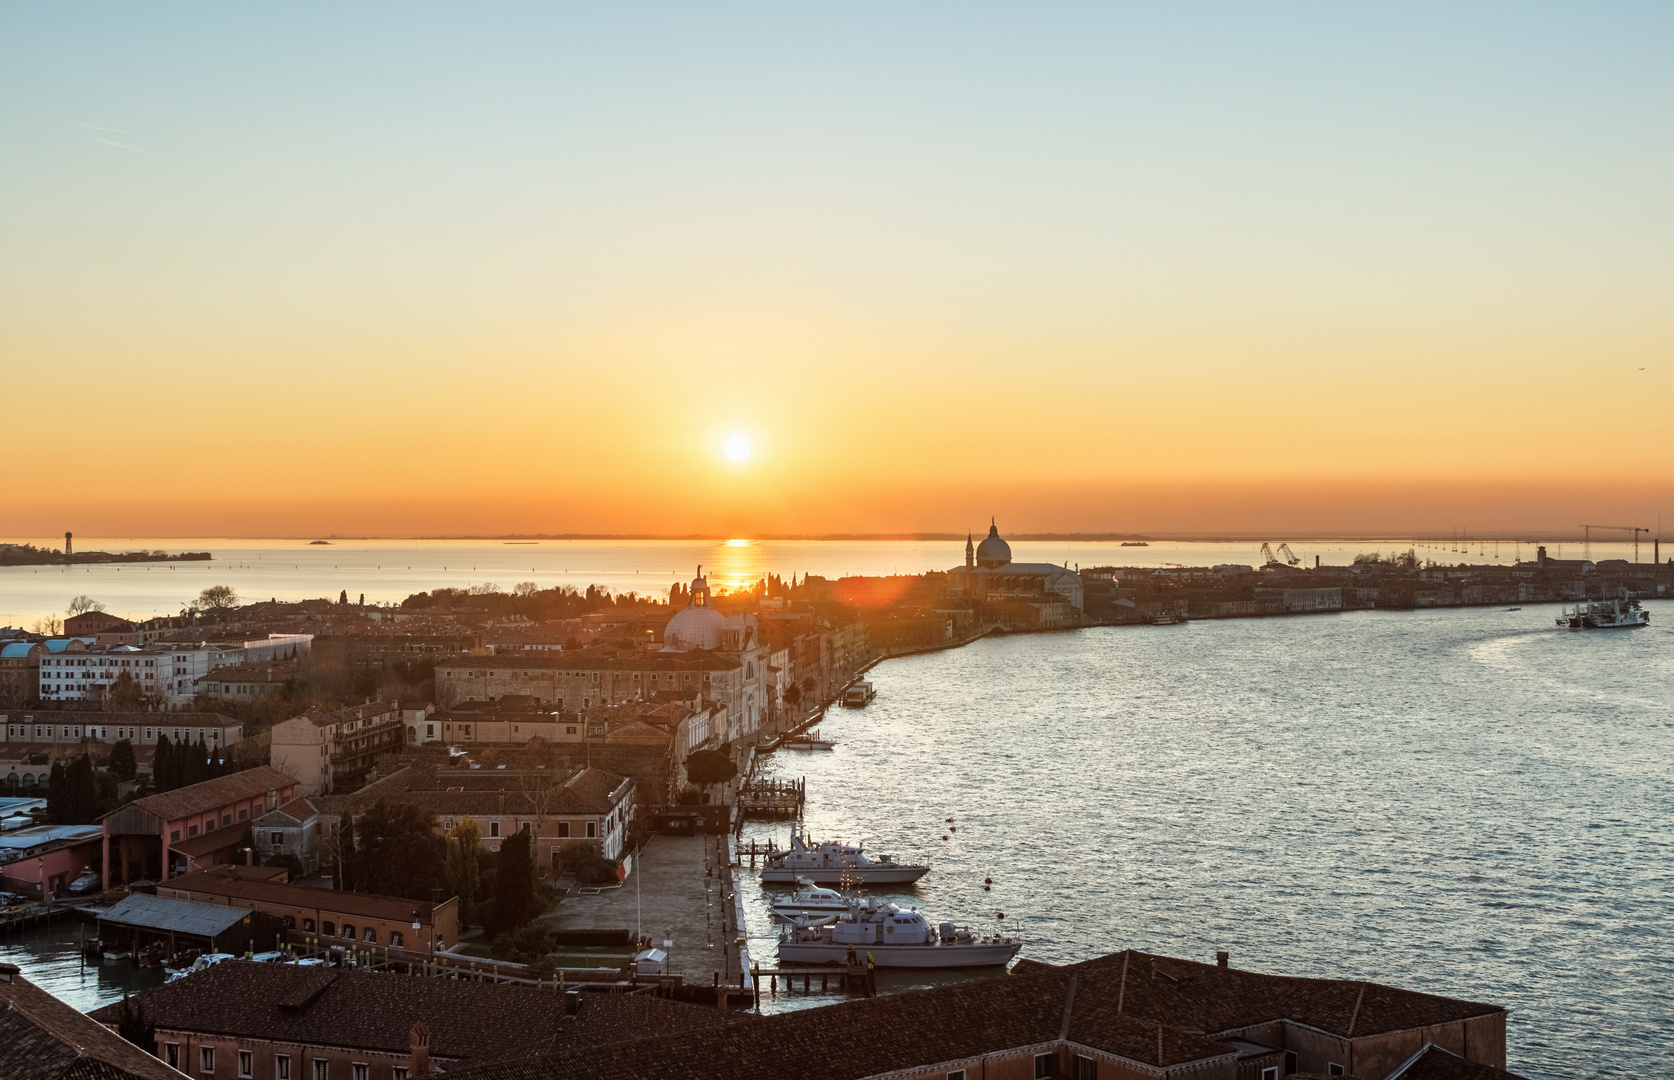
x=1285 y=557
x=1587 y=535
x=1288 y=555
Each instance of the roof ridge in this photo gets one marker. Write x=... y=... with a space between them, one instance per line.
x=1069 y=1007
x=1355 y=1016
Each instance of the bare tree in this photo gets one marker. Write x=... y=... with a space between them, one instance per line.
x=83 y=604
x=218 y=597
x=51 y=626
x=526 y=588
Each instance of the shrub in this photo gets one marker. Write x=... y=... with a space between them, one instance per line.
x=588 y=866
x=526 y=944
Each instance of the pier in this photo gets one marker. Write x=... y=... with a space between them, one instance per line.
x=772 y=799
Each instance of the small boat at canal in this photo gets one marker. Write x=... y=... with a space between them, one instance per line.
x=833 y=863
x=893 y=938
x=859 y=695
x=1605 y=615
x=808 y=740
x=811 y=904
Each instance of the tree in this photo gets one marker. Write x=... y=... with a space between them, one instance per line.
x=137 y=1028
x=463 y=866
x=514 y=883
x=706 y=768
x=526 y=588
x=397 y=851
x=83 y=604
x=50 y=626
x=589 y=867
x=218 y=597
x=165 y=775
x=87 y=791
x=121 y=762
x=124 y=694
x=292 y=864
x=57 y=796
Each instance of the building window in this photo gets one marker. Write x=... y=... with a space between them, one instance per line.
x=282 y=1067
x=396 y=941
x=191 y=830
x=563 y=830
x=362 y=1070
x=1333 y=1069
x=171 y=1053
x=956 y=1074
x=328 y=928
x=1290 y=1062
x=276 y=839
x=246 y=1063
x=322 y=1069
x=370 y=936
x=494 y=828
x=174 y=836
x=592 y=829
x=307 y=926
x=349 y=931
x=1046 y=1065
x=401 y=1072
x=1088 y=1069
x=206 y=1059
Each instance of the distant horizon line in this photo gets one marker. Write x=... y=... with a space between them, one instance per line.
x=1501 y=536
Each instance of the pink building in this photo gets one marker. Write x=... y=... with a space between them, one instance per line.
x=54 y=854
x=190 y=828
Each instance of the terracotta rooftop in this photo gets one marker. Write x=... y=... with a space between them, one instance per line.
x=376 y=1012
x=353 y=712
x=275 y=894
x=41 y=1038
x=1149 y=1009
x=485 y=791
x=211 y=794
x=1434 y=1063
x=602 y=658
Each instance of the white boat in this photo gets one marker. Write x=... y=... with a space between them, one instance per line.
x=893 y=938
x=808 y=740
x=832 y=863
x=1605 y=615
x=811 y=904
x=859 y=695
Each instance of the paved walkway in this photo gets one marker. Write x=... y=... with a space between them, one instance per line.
x=668 y=897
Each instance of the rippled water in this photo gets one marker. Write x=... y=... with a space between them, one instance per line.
x=50 y=956
x=1465 y=802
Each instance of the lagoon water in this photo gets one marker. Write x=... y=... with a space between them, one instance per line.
x=1465 y=802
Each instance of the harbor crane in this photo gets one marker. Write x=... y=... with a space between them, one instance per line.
x=1285 y=557
x=1587 y=537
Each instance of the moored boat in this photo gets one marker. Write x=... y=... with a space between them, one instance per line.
x=808 y=740
x=859 y=695
x=811 y=904
x=1605 y=615
x=833 y=863
x=893 y=938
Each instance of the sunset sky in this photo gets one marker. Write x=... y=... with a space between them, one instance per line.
x=290 y=269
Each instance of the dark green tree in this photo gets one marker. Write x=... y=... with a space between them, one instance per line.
x=86 y=791
x=706 y=768
x=58 y=801
x=136 y=1027
x=397 y=851
x=121 y=763
x=514 y=898
x=163 y=772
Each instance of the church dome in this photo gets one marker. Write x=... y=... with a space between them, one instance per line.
x=993 y=552
x=697 y=626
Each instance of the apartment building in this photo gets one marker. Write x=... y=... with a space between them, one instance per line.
x=332 y=752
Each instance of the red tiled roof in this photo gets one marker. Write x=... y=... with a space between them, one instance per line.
x=1434 y=1063
x=353 y=712
x=376 y=1012
x=41 y=1038
x=196 y=847
x=485 y=791
x=212 y=794
x=274 y=894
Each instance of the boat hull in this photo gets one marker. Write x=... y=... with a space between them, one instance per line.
x=853 y=875
x=984 y=954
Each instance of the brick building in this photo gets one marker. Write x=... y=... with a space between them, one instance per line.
x=42 y=1038
x=1126 y=1016
x=190 y=828
x=243 y=1019
x=348 y=917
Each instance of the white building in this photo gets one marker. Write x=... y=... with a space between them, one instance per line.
x=989 y=573
x=168 y=672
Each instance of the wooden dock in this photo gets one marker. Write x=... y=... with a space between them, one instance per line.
x=859 y=977
x=772 y=799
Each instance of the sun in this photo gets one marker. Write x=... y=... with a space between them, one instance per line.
x=738 y=448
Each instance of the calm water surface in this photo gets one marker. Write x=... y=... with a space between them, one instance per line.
x=1465 y=802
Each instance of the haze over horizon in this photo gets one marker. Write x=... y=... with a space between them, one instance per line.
x=1203 y=269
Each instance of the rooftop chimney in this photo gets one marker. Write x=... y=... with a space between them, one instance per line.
x=1221 y=959
x=418 y=1042
x=572 y=1002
